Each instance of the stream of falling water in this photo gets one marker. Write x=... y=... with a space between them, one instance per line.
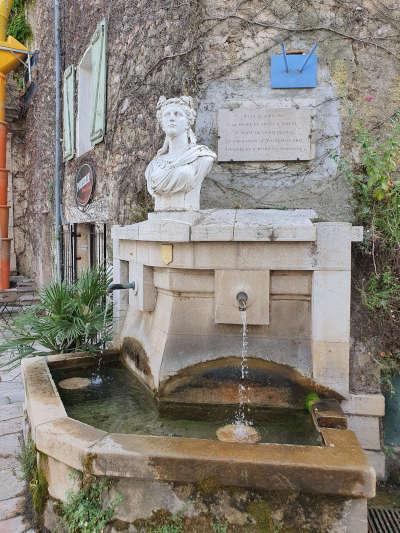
x=242 y=415
x=96 y=377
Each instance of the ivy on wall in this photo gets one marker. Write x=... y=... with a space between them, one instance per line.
x=18 y=25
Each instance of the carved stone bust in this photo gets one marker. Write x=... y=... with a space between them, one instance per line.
x=174 y=177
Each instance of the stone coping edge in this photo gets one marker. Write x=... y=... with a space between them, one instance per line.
x=231 y=225
x=338 y=468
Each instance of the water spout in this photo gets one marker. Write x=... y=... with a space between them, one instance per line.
x=117 y=286
x=241 y=299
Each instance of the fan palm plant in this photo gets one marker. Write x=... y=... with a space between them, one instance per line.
x=68 y=318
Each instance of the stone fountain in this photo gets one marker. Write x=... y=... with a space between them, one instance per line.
x=179 y=330
x=190 y=264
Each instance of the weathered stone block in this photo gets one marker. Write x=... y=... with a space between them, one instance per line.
x=67 y=440
x=59 y=476
x=364 y=404
x=334 y=245
x=11 y=484
x=331 y=364
x=11 y=507
x=378 y=461
x=331 y=306
x=195 y=281
x=144 y=295
x=255 y=284
x=126 y=251
x=148 y=496
x=287 y=282
x=42 y=399
x=367 y=430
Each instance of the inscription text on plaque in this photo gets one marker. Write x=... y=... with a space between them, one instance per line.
x=264 y=134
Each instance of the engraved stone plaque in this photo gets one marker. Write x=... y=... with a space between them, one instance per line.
x=264 y=134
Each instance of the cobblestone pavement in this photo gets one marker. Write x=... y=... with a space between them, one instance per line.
x=12 y=486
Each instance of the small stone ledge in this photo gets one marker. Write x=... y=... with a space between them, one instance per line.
x=364 y=405
x=377 y=460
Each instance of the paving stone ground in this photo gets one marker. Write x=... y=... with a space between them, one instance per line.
x=12 y=486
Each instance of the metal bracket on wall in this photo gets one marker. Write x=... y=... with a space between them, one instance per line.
x=29 y=63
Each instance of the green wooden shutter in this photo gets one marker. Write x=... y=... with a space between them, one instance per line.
x=68 y=113
x=99 y=83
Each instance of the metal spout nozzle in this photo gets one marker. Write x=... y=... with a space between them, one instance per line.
x=241 y=299
x=117 y=286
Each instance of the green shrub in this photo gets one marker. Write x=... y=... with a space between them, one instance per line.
x=84 y=510
x=27 y=458
x=220 y=527
x=68 y=318
x=18 y=25
x=380 y=291
x=389 y=364
x=377 y=207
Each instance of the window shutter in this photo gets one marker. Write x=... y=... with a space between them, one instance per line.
x=99 y=83
x=68 y=113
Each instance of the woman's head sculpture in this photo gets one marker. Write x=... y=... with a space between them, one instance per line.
x=175 y=175
x=188 y=112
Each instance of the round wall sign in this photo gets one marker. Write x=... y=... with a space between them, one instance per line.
x=84 y=185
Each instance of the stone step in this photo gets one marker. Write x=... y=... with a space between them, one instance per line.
x=11 y=507
x=18 y=524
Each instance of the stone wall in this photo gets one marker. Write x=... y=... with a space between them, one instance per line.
x=145 y=59
x=219 y=52
x=33 y=159
x=358 y=67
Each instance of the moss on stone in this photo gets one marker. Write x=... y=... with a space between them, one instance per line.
x=208 y=486
x=262 y=513
x=87 y=468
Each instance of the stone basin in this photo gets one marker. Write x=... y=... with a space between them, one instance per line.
x=153 y=469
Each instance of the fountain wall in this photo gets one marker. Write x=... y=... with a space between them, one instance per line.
x=184 y=313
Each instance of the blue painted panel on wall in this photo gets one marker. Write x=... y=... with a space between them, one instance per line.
x=293 y=78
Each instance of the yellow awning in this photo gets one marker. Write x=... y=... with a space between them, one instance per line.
x=10 y=60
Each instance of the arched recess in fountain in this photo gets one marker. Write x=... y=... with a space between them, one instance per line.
x=216 y=382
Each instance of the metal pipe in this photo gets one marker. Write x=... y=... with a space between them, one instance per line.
x=118 y=286
x=241 y=299
x=57 y=140
x=284 y=56
x=310 y=53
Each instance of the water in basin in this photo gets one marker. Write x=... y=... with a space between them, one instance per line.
x=120 y=403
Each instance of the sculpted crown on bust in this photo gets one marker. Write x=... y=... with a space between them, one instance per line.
x=174 y=177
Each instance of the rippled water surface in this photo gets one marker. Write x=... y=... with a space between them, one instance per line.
x=117 y=402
